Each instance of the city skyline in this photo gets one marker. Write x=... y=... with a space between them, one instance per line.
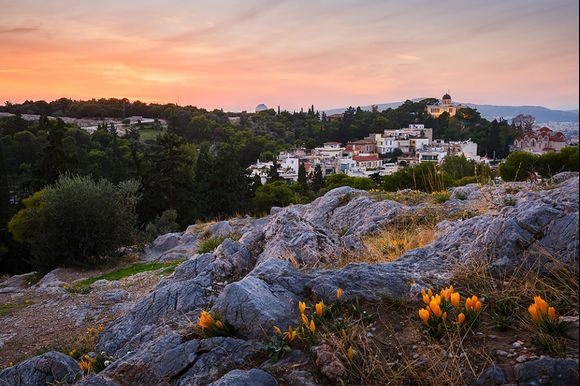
x=331 y=54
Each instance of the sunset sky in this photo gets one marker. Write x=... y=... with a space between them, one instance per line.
x=236 y=54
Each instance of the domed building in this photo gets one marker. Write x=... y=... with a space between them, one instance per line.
x=445 y=106
x=261 y=107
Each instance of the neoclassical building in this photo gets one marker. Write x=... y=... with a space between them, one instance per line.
x=445 y=106
x=539 y=142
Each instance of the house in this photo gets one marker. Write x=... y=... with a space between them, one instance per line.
x=541 y=141
x=432 y=154
x=445 y=106
x=330 y=150
x=407 y=139
x=368 y=161
x=361 y=146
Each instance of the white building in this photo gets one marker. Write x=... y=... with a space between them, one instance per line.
x=445 y=106
x=330 y=150
x=432 y=154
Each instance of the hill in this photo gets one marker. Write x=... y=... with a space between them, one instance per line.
x=490 y=112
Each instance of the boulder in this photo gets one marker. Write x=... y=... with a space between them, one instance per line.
x=51 y=279
x=49 y=368
x=547 y=371
x=492 y=376
x=254 y=377
x=170 y=359
x=328 y=363
x=19 y=281
x=220 y=229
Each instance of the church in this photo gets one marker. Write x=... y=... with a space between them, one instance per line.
x=445 y=106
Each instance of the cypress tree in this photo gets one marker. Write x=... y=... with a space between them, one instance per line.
x=318 y=181
x=302 y=177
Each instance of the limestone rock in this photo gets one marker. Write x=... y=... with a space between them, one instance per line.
x=19 y=281
x=547 y=371
x=491 y=377
x=254 y=377
x=48 y=368
x=328 y=363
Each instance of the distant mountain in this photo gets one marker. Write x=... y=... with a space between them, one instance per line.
x=542 y=114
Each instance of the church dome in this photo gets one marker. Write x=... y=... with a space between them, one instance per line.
x=261 y=107
x=446 y=97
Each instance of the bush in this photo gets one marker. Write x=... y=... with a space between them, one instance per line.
x=273 y=194
x=165 y=223
x=465 y=181
x=76 y=221
x=519 y=164
x=337 y=180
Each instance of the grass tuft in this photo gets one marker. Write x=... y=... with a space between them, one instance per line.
x=83 y=286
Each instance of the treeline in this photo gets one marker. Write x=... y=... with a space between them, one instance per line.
x=303 y=128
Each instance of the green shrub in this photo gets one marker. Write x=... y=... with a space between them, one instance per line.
x=272 y=194
x=341 y=179
x=519 y=164
x=465 y=181
x=165 y=223
x=209 y=245
x=77 y=221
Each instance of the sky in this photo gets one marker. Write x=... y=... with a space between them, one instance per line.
x=291 y=53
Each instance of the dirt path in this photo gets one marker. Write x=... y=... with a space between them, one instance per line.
x=34 y=321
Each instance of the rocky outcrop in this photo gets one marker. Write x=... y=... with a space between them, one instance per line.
x=255 y=283
x=46 y=369
x=171 y=360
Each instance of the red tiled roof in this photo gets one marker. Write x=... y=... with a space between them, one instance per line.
x=332 y=143
x=558 y=137
x=362 y=142
x=373 y=157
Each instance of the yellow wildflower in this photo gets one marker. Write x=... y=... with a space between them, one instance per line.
x=455 y=299
x=302 y=307
x=319 y=308
x=312 y=326
x=205 y=320
x=552 y=313
x=424 y=314
x=460 y=318
x=291 y=334
x=338 y=293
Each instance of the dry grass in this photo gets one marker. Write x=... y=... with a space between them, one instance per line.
x=547 y=276
x=412 y=230
x=391 y=348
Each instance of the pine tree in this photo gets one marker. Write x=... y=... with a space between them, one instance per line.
x=168 y=181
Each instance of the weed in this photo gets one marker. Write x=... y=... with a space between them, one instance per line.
x=210 y=244
x=461 y=196
x=502 y=312
x=555 y=345
x=508 y=201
